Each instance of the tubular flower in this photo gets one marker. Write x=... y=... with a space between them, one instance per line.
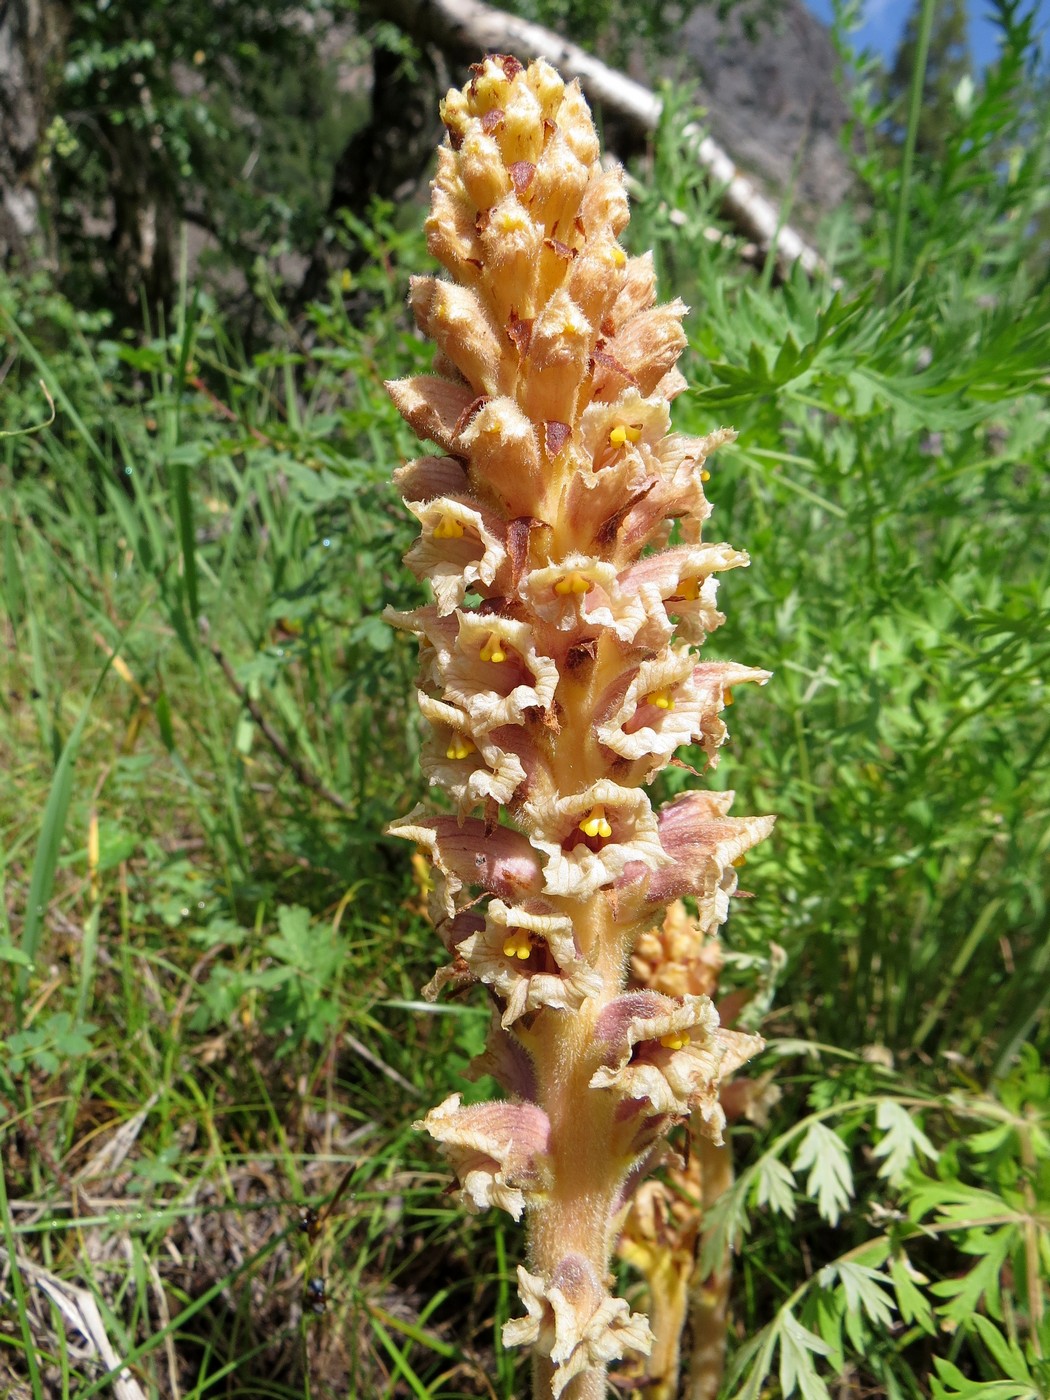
x=573 y=1321
x=530 y=956
x=497 y=1148
x=561 y=531
x=671 y=1052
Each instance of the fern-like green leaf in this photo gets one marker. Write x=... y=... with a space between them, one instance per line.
x=912 y=1303
x=902 y=1140
x=830 y=1179
x=775 y=1187
x=1007 y=1355
x=798 y=1346
x=951 y=1384
x=981 y=1285
x=865 y=1288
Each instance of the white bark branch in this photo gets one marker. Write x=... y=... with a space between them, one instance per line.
x=470 y=28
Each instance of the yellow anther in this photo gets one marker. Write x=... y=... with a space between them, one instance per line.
x=727 y=698
x=688 y=588
x=511 y=220
x=595 y=824
x=459 y=746
x=517 y=945
x=492 y=650
x=740 y=860
x=675 y=1040
x=573 y=583
x=619 y=257
x=623 y=433
x=662 y=699
x=574 y=326
x=705 y=475
x=448 y=528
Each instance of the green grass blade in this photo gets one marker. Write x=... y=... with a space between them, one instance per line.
x=11 y=580
x=178 y=1322
x=397 y=1356
x=54 y=389
x=45 y=862
x=918 y=80
x=33 y=427
x=949 y=986
x=18 y=1288
x=187 y=530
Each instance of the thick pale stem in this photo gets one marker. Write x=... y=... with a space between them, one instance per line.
x=710 y=1293
x=575 y=1215
x=668 y=1303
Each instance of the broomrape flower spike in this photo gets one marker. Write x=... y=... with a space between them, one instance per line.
x=561 y=531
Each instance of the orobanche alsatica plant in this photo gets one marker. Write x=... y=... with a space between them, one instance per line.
x=562 y=533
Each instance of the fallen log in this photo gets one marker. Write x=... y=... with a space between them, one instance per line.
x=466 y=29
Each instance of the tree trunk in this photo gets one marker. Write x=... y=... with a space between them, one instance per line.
x=31 y=35
x=141 y=263
x=386 y=159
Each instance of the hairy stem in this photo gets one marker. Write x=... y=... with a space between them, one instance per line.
x=710 y=1293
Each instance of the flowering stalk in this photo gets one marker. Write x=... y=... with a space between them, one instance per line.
x=661 y=1235
x=561 y=532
